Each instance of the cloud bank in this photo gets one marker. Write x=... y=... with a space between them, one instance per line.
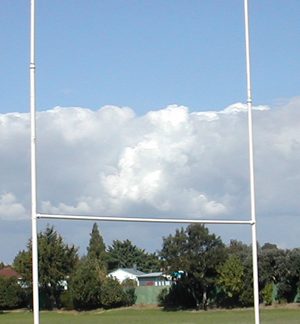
x=171 y=162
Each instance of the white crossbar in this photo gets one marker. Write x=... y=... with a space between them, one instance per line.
x=144 y=220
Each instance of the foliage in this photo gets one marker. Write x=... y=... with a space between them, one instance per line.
x=129 y=283
x=22 y=263
x=11 y=294
x=178 y=296
x=208 y=272
x=244 y=253
x=231 y=279
x=290 y=280
x=130 y=296
x=56 y=260
x=124 y=254
x=129 y=286
x=162 y=297
x=282 y=267
x=198 y=253
x=92 y=274
x=239 y=249
x=91 y=288
x=96 y=248
x=267 y=294
x=86 y=284
x=272 y=264
x=67 y=300
x=112 y=294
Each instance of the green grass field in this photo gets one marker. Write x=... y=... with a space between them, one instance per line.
x=156 y=316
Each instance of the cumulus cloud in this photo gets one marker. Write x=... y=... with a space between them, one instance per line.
x=10 y=208
x=170 y=162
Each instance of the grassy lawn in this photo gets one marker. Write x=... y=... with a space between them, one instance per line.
x=144 y=316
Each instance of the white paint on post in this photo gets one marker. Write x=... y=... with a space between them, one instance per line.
x=35 y=280
x=251 y=167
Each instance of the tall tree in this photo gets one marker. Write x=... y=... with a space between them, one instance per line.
x=124 y=254
x=289 y=283
x=96 y=248
x=86 y=284
x=272 y=264
x=198 y=254
x=244 y=253
x=56 y=260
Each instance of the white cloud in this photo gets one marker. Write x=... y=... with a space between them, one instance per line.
x=81 y=207
x=10 y=208
x=169 y=162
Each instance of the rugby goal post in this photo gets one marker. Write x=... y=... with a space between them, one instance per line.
x=35 y=215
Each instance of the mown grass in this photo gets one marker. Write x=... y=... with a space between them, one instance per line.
x=156 y=316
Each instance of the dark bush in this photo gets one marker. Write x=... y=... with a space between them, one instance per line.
x=112 y=294
x=129 y=289
x=11 y=294
x=86 y=284
x=67 y=300
x=177 y=296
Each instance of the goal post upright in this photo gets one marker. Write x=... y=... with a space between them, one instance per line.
x=34 y=235
x=251 y=165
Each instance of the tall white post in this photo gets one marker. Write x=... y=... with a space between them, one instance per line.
x=251 y=167
x=35 y=280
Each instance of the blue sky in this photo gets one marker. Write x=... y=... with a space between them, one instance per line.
x=148 y=54
x=180 y=149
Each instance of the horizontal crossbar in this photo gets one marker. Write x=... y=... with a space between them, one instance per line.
x=144 y=220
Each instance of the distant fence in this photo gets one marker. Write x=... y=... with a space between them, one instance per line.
x=148 y=295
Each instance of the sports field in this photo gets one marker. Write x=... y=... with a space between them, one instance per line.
x=157 y=316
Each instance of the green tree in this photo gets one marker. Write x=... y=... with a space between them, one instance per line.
x=112 y=294
x=86 y=284
x=272 y=264
x=129 y=286
x=56 y=260
x=124 y=254
x=89 y=285
x=267 y=294
x=244 y=253
x=231 y=279
x=289 y=283
x=90 y=288
x=96 y=248
x=239 y=249
x=11 y=294
x=87 y=280
x=275 y=268
x=246 y=298
x=199 y=254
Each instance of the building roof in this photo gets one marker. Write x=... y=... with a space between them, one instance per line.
x=132 y=271
x=151 y=275
x=9 y=272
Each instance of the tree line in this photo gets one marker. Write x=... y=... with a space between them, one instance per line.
x=205 y=272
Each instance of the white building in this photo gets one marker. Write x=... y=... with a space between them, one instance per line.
x=126 y=273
